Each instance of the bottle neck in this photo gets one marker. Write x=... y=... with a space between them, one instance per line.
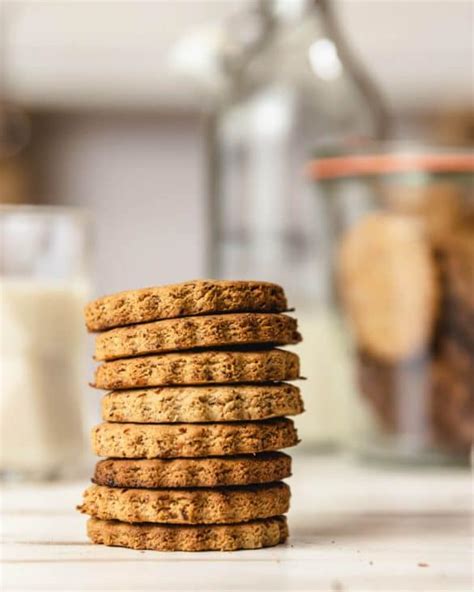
x=287 y=14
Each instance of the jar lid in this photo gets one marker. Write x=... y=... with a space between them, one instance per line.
x=335 y=167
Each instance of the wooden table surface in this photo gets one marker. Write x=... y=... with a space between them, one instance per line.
x=353 y=527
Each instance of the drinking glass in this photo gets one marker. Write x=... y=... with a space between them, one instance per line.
x=43 y=287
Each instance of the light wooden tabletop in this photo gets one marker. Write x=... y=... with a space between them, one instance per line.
x=353 y=527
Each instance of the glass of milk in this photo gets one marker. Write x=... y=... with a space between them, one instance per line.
x=43 y=287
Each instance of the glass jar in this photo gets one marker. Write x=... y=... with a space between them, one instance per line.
x=403 y=259
x=294 y=88
x=43 y=288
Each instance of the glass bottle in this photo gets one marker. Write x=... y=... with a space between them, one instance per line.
x=295 y=88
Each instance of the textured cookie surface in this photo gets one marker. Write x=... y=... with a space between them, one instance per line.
x=131 y=440
x=160 y=537
x=199 y=472
x=192 y=404
x=186 y=299
x=198 y=368
x=187 y=506
x=197 y=332
x=389 y=286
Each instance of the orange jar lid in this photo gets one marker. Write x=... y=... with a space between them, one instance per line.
x=335 y=167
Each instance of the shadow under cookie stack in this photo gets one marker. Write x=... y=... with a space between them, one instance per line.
x=195 y=418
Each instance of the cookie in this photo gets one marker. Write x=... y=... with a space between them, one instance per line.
x=456 y=322
x=191 y=404
x=452 y=407
x=389 y=286
x=437 y=206
x=458 y=265
x=187 y=506
x=457 y=313
x=265 y=467
x=187 y=299
x=198 y=368
x=197 y=332
x=131 y=440
x=458 y=356
x=256 y=534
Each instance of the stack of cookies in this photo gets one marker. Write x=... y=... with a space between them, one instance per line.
x=195 y=417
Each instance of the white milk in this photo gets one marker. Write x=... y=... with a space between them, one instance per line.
x=328 y=392
x=41 y=376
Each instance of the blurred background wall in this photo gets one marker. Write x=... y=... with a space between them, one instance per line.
x=142 y=179
x=116 y=127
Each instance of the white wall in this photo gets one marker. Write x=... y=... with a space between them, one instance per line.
x=142 y=179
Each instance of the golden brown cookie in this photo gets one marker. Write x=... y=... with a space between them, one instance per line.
x=191 y=404
x=255 y=534
x=389 y=286
x=197 y=332
x=180 y=300
x=265 y=467
x=132 y=440
x=436 y=205
x=198 y=368
x=187 y=506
